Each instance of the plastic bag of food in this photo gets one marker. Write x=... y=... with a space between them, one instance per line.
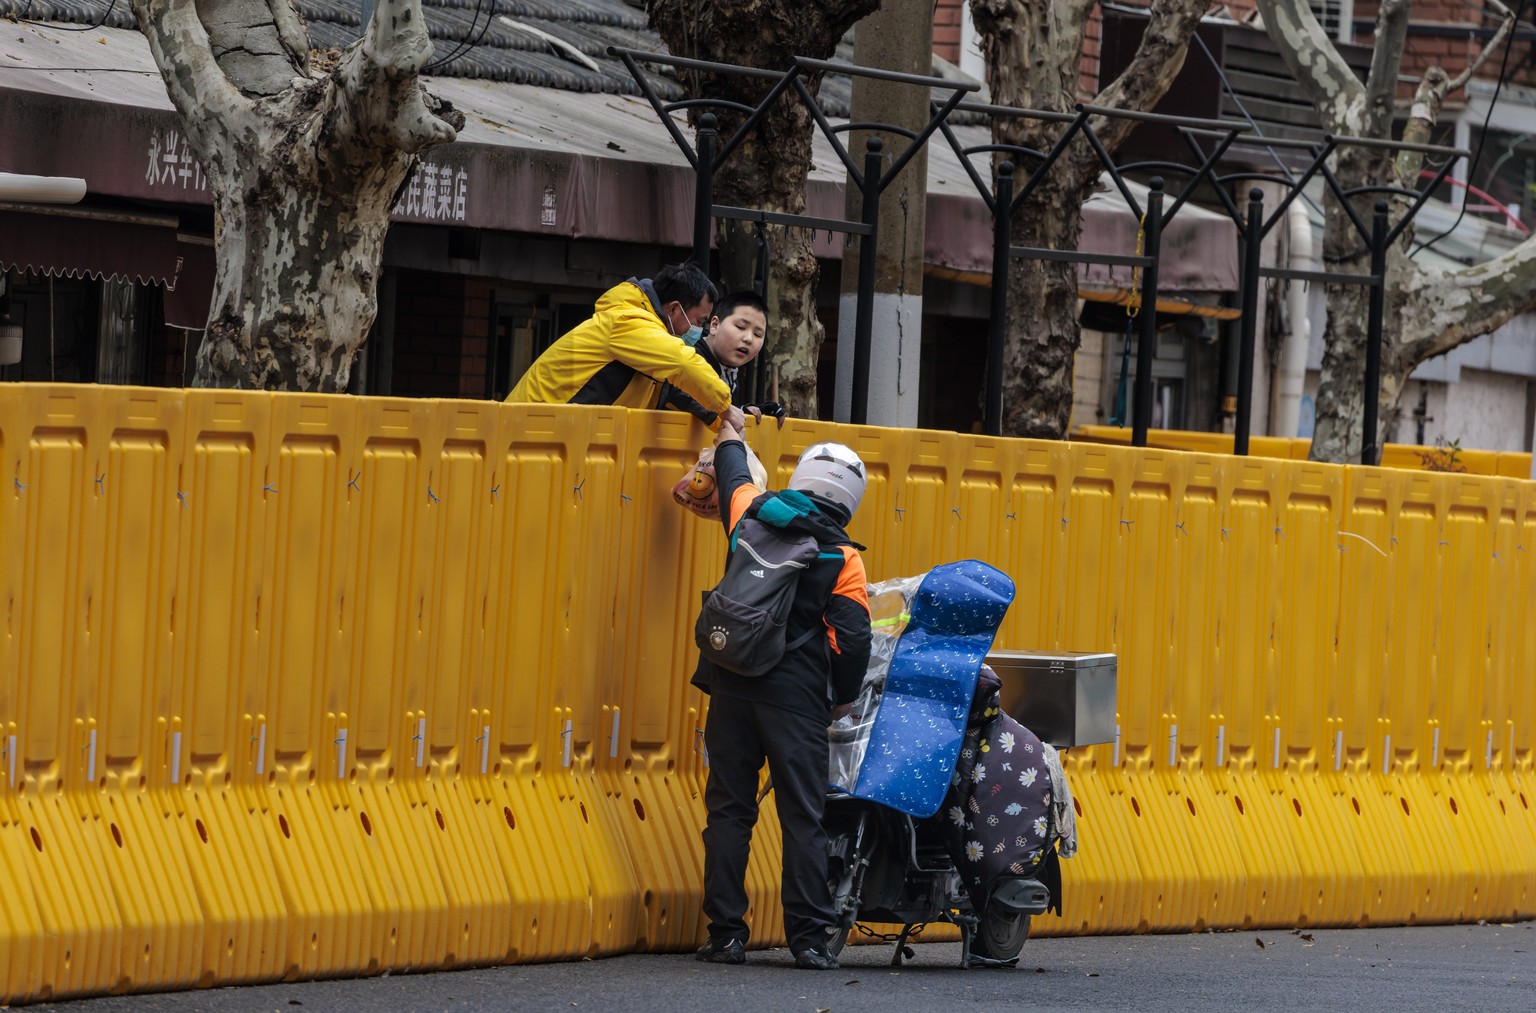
x=889 y=609
x=697 y=491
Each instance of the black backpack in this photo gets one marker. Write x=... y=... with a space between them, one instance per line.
x=741 y=627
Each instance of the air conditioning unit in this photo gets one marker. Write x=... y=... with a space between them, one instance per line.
x=1337 y=18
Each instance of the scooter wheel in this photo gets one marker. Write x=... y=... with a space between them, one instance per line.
x=842 y=868
x=1000 y=934
x=838 y=940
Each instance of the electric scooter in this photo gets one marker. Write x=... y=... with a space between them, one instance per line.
x=971 y=755
x=884 y=866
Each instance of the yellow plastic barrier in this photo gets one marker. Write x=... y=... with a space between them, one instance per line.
x=295 y=686
x=1409 y=457
x=1196 y=442
x=1511 y=464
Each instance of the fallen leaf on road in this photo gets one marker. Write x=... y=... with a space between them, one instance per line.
x=1307 y=937
x=1259 y=941
x=851 y=981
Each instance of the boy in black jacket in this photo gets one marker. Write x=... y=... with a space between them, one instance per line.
x=782 y=717
x=734 y=338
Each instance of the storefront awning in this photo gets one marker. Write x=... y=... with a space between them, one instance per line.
x=530 y=160
x=77 y=242
x=74 y=243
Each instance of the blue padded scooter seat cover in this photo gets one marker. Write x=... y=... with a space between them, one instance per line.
x=928 y=689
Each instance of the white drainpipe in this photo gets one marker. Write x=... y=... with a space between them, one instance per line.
x=1285 y=403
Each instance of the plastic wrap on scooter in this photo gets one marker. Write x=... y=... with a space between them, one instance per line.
x=890 y=607
x=921 y=721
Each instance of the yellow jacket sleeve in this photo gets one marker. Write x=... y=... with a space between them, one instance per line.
x=640 y=341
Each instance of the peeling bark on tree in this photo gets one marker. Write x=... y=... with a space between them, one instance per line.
x=770 y=169
x=1033 y=49
x=1428 y=310
x=303 y=168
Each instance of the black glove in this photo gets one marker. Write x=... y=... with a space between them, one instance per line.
x=772 y=409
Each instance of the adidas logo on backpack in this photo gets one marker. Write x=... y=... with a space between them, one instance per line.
x=741 y=626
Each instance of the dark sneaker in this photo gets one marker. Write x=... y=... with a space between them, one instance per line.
x=817 y=958
x=722 y=951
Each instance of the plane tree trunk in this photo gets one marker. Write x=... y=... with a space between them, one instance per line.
x=1033 y=51
x=303 y=162
x=770 y=169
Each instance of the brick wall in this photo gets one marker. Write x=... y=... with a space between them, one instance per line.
x=1432 y=41
x=442 y=329
x=946 y=29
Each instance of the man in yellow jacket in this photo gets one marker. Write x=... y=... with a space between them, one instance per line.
x=641 y=336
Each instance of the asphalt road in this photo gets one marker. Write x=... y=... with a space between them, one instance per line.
x=1464 y=967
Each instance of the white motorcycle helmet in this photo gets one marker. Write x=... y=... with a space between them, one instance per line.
x=833 y=472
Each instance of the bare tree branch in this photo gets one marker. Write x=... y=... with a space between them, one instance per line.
x=197 y=87
x=291 y=30
x=303 y=167
x=1453 y=307
x=250 y=48
x=1422 y=116
x=1033 y=50
x=1314 y=62
x=1386 y=59
x=382 y=101
x=1432 y=309
x=1508 y=26
x=1145 y=80
x=396 y=39
x=1434 y=86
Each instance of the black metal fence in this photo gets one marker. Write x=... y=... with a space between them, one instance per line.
x=1004 y=199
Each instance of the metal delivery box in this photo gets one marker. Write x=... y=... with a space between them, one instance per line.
x=1067 y=699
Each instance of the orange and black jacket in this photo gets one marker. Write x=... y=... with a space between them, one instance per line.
x=826 y=670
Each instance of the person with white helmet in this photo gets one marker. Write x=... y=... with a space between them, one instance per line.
x=782 y=717
x=831 y=474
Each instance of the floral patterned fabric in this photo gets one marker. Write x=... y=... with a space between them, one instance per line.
x=997 y=817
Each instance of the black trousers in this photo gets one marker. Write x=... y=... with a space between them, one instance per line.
x=740 y=735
